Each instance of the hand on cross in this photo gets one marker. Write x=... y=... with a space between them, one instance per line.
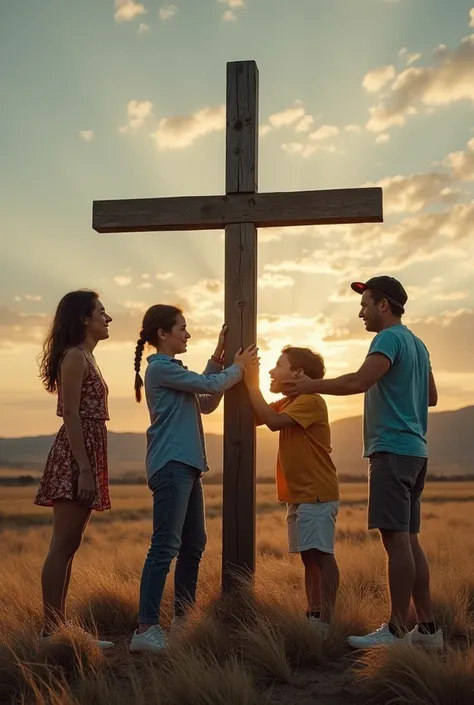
x=252 y=373
x=220 y=347
x=246 y=358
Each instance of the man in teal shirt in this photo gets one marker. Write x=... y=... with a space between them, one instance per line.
x=399 y=386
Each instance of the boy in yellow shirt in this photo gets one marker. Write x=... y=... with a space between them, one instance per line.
x=305 y=475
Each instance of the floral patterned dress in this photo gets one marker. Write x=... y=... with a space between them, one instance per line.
x=61 y=473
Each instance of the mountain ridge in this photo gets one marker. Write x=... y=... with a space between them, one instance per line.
x=450 y=442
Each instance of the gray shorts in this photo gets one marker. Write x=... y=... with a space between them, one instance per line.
x=312 y=525
x=396 y=483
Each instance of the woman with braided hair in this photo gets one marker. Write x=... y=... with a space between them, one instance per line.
x=176 y=461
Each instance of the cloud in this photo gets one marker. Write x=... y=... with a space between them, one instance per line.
x=181 y=131
x=462 y=163
x=311 y=264
x=122 y=280
x=33 y=297
x=233 y=4
x=275 y=281
x=143 y=28
x=203 y=299
x=28 y=297
x=378 y=78
x=413 y=58
x=167 y=12
x=287 y=117
x=354 y=129
x=86 y=135
x=452 y=296
x=137 y=112
x=305 y=150
x=419 y=238
x=324 y=132
x=164 y=276
x=304 y=124
x=264 y=130
x=411 y=194
x=135 y=305
x=230 y=15
x=18 y=327
x=471 y=17
x=449 y=80
x=382 y=139
x=293 y=116
x=126 y=10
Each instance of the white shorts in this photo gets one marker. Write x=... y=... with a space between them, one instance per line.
x=312 y=525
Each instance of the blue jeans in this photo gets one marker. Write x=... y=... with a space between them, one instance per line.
x=178 y=530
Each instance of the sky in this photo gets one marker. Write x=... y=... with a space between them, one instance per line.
x=125 y=99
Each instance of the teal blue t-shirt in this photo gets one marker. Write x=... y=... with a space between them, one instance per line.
x=396 y=407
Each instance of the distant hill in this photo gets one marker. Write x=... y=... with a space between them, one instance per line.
x=450 y=435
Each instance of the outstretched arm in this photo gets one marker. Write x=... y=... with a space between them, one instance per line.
x=168 y=373
x=373 y=369
x=209 y=402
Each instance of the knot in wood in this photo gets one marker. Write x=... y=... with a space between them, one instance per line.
x=238 y=125
x=241 y=303
x=251 y=201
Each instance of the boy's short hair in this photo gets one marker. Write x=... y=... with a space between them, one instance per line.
x=310 y=362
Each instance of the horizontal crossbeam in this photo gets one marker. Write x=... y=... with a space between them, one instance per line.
x=332 y=207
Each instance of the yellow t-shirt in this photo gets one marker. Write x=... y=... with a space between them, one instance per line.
x=305 y=471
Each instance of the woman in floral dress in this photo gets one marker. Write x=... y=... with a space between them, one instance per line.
x=75 y=480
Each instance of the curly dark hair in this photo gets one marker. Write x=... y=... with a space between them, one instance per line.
x=160 y=316
x=67 y=330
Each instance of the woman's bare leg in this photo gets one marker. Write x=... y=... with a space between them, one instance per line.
x=69 y=523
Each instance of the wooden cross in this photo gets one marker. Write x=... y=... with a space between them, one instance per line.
x=240 y=211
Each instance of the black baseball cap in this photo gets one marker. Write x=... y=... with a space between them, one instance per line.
x=388 y=286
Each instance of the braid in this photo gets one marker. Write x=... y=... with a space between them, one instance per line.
x=138 y=361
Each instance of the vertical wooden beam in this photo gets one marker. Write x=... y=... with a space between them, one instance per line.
x=238 y=532
x=241 y=171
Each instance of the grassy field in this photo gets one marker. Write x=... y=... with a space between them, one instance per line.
x=254 y=649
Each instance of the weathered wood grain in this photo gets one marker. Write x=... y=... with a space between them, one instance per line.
x=238 y=531
x=336 y=206
x=241 y=173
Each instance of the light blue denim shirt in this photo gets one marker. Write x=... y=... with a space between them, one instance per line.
x=176 y=397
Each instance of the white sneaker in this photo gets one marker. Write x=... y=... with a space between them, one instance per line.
x=319 y=627
x=381 y=637
x=154 y=639
x=432 y=642
x=100 y=643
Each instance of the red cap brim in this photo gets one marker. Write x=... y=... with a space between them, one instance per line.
x=358 y=287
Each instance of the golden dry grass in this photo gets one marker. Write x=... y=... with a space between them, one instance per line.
x=255 y=649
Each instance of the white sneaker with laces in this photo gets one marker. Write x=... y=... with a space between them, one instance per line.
x=381 y=637
x=319 y=627
x=154 y=639
x=432 y=642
